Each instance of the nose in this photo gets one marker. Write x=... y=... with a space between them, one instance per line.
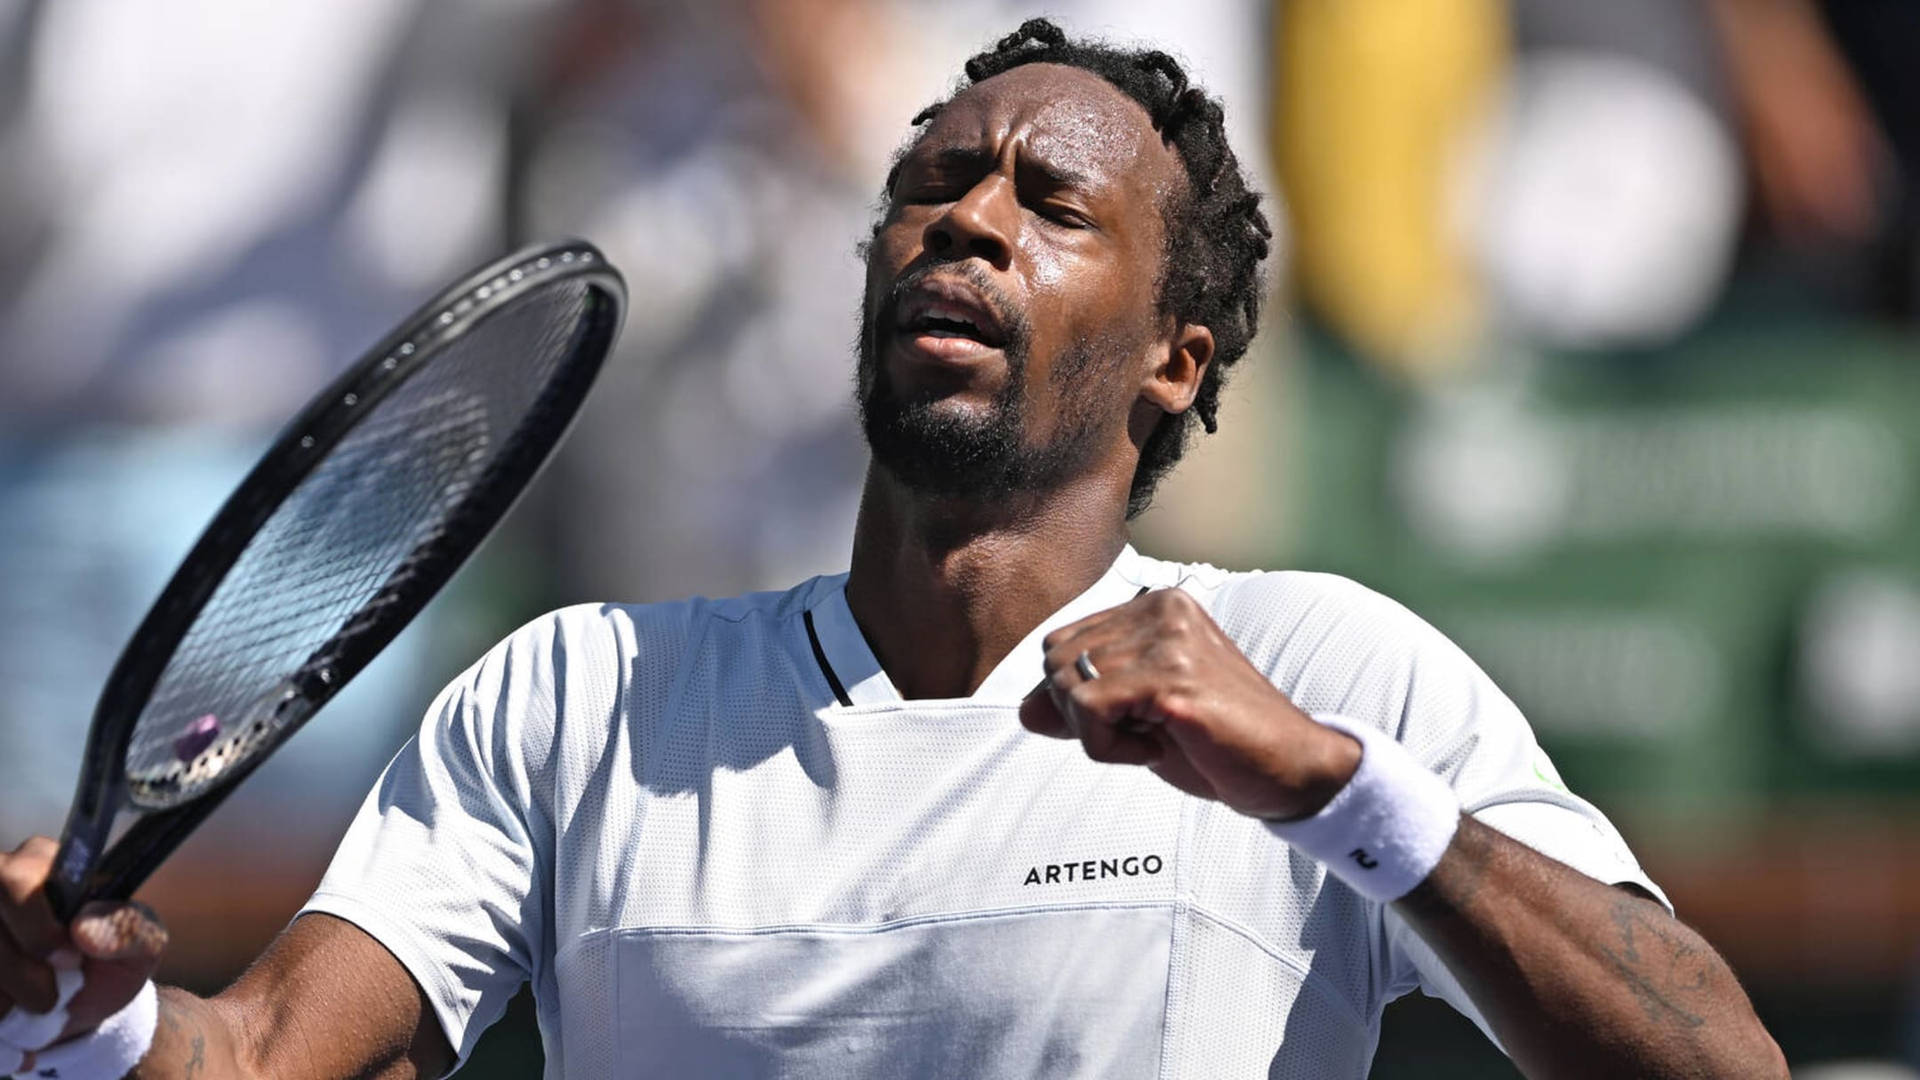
x=980 y=223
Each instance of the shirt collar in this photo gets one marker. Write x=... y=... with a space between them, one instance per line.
x=849 y=660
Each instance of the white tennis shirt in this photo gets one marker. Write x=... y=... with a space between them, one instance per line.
x=720 y=844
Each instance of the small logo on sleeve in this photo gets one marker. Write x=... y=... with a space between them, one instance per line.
x=1366 y=861
x=1094 y=870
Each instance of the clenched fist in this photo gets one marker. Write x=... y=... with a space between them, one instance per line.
x=1156 y=682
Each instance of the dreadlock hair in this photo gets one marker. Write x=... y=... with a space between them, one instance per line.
x=1217 y=235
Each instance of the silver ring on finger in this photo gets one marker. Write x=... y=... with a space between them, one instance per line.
x=1084 y=665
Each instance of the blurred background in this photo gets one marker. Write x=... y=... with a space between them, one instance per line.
x=1594 y=343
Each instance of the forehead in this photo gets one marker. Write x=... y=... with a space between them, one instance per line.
x=1065 y=117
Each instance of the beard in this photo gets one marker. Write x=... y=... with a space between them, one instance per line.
x=934 y=449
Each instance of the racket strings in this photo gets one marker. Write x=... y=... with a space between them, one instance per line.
x=342 y=545
x=316 y=560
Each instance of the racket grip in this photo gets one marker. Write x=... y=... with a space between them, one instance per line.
x=66 y=885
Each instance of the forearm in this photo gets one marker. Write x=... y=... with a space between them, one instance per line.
x=1579 y=978
x=325 y=1000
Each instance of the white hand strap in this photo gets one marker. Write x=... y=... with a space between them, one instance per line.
x=1387 y=829
x=109 y=1051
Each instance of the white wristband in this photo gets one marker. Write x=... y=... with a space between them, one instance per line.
x=23 y=1030
x=109 y=1051
x=1387 y=829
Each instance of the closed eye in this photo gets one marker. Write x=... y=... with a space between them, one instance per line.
x=925 y=193
x=1061 y=215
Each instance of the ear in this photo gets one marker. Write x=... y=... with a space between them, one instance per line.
x=1175 y=379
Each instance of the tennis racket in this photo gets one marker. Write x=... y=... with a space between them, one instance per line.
x=360 y=511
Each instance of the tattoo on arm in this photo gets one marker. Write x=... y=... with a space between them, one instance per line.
x=1555 y=960
x=1660 y=966
x=180 y=1047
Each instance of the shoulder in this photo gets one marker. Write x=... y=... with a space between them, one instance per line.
x=1322 y=624
x=595 y=634
x=1292 y=602
x=571 y=672
x=1277 y=615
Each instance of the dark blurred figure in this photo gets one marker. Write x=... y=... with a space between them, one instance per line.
x=1829 y=97
x=1882 y=40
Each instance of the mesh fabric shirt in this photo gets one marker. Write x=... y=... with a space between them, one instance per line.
x=718 y=843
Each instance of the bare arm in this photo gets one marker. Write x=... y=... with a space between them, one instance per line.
x=324 y=1000
x=1579 y=978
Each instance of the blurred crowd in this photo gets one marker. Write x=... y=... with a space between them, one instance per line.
x=1589 y=316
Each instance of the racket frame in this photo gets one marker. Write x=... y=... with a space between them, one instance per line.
x=86 y=868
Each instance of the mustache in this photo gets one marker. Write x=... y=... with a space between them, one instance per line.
x=1013 y=321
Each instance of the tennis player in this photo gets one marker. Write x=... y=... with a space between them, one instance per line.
x=1008 y=799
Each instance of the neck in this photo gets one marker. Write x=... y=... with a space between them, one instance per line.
x=944 y=589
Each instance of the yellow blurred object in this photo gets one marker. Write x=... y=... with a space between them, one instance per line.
x=1375 y=103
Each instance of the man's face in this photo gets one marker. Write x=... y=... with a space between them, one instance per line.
x=1011 y=297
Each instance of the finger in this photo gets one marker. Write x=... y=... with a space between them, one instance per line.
x=24 y=909
x=119 y=932
x=25 y=981
x=1064 y=643
x=1110 y=643
x=1088 y=712
x=1061 y=677
x=1040 y=714
x=1116 y=716
x=1119 y=638
x=1048 y=710
x=1062 y=663
x=122 y=945
x=1056 y=664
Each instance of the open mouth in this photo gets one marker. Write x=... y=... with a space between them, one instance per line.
x=943 y=322
x=949 y=319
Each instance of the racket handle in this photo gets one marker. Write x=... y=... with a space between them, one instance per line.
x=66 y=885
